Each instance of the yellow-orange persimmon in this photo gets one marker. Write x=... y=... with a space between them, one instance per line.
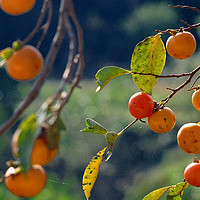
x=25 y=63
x=16 y=7
x=196 y=99
x=27 y=184
x=162 y=121
x=41 y=153
x=188 y=138
x=181 y=45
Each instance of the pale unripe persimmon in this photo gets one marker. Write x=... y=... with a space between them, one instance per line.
x=16 y=7
x=181 y=45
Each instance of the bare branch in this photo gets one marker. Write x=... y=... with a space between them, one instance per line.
x=185 y=7
x=174 y=91
x=39 y=22
x=46 y=26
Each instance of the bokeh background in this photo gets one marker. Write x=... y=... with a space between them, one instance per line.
x=142 y=160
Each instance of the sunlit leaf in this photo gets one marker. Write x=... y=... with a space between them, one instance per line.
x=91 y=172
x=6 y=53
x=94 y=127
x=28 y=130
x=106 y=74
x=156 y=194
x=148 y=58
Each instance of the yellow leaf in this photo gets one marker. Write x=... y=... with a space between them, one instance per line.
x=91 y=172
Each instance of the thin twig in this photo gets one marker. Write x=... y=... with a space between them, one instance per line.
x=185 y=7
x=39 y=22
x=192 y=87
x=33 y=93
x=81 y=64
x=46 y=26
x=182 y=29
x=166 y=76
x=174 y=91
x=127 y=127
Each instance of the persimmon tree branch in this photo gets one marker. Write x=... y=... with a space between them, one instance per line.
x=174 y=91
x=65 y=7
x=182 y=29
x=47 y=4
x=46 y=26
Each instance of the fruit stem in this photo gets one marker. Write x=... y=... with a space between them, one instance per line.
x=127 y=127
x=195 y=160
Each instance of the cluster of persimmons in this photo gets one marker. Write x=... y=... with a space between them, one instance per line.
x=161 y=119
x=25 y=62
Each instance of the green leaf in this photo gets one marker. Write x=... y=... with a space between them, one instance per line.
x=91 y=173
x=94 y=127
x=6 y=53
x=28 y=131
x=156 y=194
x=53 y=133
x=110 y=139
x=176 y=192
x=148 y=57
x=106 y=74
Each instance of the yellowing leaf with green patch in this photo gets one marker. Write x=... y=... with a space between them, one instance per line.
x=91 y=172
x=106 y=74
x=156 y=194
x=148 y=58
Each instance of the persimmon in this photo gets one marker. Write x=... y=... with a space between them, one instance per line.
x=41 y=153
x=196 y=99
x=25 y=63
x=27 y=184
x=181 y=45
x=141 y=105
x=192 y=174
x=188 y=138
x=162 y=121
x=16 y=7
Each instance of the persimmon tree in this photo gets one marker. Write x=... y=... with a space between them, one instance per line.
x=146 y=66
x=36 y=141
x=38 y=135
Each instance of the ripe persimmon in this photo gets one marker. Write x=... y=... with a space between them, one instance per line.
x=188 y=138
x=16 y=7
x=181 y=45
x=196 y=99
x=192 y=174
x=25 y=63
x=141 y=105
x=27 y=184
x=41 y=153
x=162 y=121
